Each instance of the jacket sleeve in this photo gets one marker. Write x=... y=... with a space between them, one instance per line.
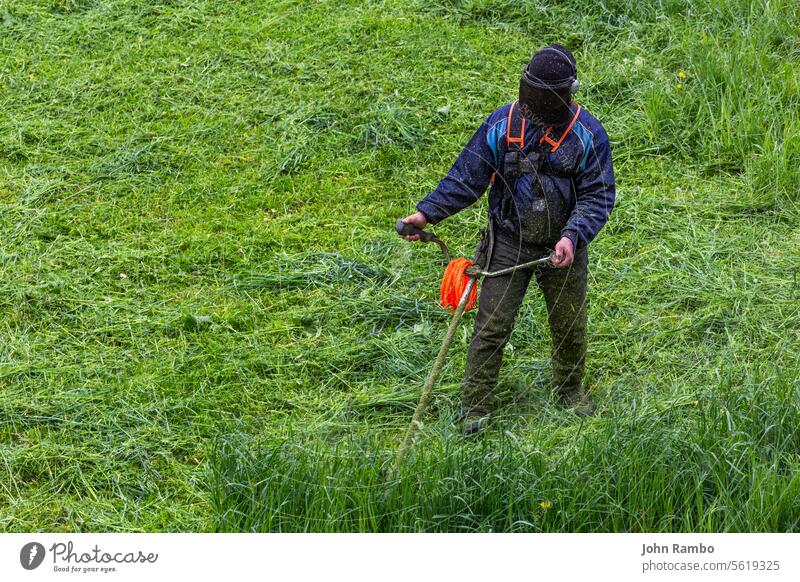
x=467 y=179
x=595 y=193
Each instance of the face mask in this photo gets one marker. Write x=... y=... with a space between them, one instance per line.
x=544 y=107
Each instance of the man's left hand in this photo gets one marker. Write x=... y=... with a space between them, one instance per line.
x=564 y=253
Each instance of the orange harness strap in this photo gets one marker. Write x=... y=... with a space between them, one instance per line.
x=520 y=139
x=546 y=137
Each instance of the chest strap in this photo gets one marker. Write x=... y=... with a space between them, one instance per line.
x=515 y=162
x=555 y=144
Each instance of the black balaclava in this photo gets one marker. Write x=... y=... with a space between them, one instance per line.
x=544 y=89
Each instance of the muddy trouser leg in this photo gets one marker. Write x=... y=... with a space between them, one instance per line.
x=565 y=294
x=498 y=304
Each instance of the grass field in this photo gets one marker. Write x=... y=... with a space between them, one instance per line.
x=207 y=322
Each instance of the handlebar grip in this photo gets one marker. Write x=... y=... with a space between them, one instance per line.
x=404 y=229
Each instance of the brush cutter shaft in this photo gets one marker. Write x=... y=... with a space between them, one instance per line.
x=542 y=261
x=438 y=364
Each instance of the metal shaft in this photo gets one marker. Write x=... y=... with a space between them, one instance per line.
x=433 y=375
x=516 y=267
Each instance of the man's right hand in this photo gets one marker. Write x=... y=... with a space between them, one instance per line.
x=417 y=219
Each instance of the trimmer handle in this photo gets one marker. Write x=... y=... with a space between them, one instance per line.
x=404 y=229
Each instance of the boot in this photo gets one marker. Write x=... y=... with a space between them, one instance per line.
x=577 y=402
x=472 y=425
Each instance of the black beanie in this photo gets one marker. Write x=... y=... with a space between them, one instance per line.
x=553 y=63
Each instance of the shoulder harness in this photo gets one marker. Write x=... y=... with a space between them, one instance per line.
x=515 y=162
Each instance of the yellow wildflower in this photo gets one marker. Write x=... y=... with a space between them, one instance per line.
x=545 y=504
x=681 y=75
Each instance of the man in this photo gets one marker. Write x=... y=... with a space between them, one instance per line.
x=548 y=162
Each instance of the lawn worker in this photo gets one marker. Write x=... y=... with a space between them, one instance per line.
x=548 y=162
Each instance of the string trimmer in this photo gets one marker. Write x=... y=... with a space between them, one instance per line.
x=458 y=294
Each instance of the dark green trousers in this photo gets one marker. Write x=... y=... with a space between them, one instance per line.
x=499 y=301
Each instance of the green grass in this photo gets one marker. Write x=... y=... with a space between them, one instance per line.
x=207 y=322
x=705 y=465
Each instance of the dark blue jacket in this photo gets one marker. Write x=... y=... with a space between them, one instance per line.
x=577 y=179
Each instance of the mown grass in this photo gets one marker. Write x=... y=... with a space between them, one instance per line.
x=206 y=319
